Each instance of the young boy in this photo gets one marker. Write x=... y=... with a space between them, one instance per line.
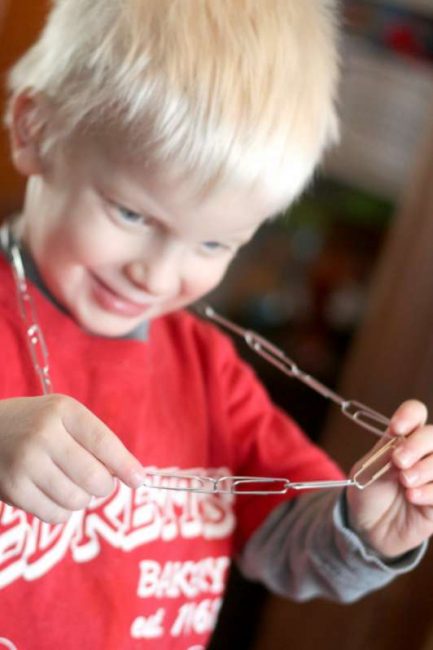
x=157 y=136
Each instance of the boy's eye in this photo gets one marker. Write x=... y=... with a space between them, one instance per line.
x=132 y=217
x=213 y=246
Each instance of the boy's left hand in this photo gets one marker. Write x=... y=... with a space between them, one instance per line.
x=395 y=514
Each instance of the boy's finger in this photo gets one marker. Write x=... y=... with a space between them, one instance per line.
x=61 y=490
x=83 y=468
x=102 y=443
x=422 y=496
x=414 y=447
x=409 y=416
x=31 y=499
x=421 y=473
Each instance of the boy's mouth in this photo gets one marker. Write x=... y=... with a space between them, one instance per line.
x=111 y=301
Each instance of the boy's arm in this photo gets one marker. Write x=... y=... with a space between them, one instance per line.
x=375 y=533
x=306 y=549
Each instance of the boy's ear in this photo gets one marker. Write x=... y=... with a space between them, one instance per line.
x=28 y=120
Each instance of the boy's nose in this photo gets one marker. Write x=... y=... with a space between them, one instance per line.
x=158 y=277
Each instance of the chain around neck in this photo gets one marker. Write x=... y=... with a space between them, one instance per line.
x=34 y=335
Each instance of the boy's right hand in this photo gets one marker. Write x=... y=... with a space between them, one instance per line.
x=55 y=455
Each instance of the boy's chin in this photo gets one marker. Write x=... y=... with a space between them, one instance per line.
x=109 y=327
x=105 y=324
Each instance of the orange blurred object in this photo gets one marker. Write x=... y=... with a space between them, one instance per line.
x=20 y=22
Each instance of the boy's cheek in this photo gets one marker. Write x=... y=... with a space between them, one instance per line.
x=204 y=280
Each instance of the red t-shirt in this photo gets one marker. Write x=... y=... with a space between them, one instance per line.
x=142 y=568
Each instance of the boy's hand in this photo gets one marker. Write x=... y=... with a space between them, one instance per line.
x=395 y=514
x=55 y=455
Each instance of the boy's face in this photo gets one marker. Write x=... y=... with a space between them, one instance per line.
x=117 y=245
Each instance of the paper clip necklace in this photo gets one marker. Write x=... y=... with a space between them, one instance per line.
x=374 y=466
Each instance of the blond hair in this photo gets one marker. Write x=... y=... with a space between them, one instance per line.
x=229 y=91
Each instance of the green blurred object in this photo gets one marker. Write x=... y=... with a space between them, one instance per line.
x=329 y=201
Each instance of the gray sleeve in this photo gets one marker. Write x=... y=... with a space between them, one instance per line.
x=305 y=549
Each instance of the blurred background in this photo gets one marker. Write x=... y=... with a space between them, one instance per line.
x=344 y=283
x=305 y=280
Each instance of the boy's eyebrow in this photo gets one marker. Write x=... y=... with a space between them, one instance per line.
x=113 y=197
